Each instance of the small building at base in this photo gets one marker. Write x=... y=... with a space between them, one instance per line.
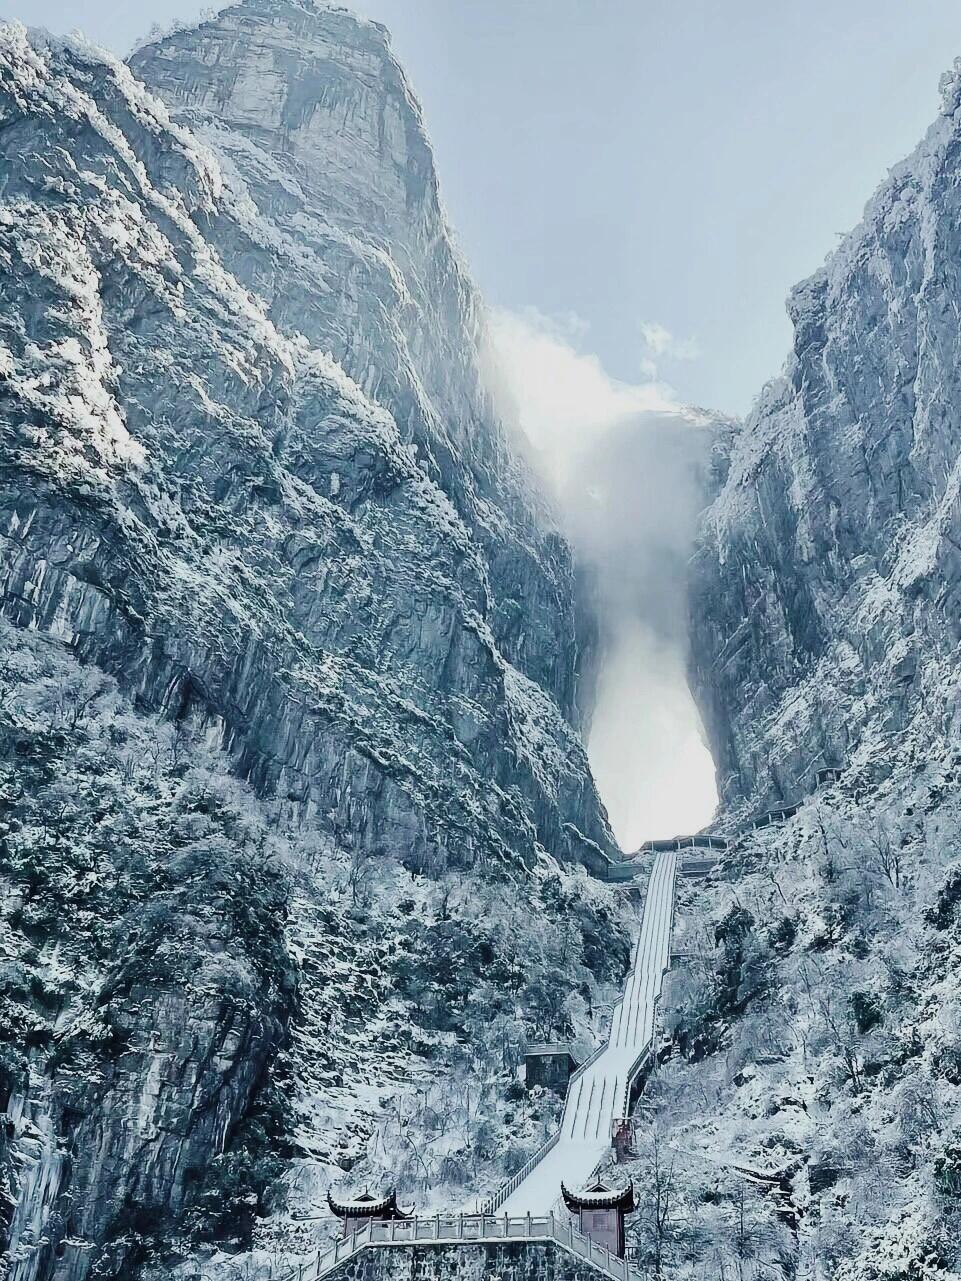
x=601 y=1211
x=356 y=1212
x=549 y=1065
x=827 y=775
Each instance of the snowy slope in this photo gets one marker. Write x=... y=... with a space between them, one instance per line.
x=249 y=471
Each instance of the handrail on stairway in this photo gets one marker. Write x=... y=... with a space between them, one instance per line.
x=497 y=1199
x=476 y=1229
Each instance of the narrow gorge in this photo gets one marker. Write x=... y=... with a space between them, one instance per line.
x=300 y=847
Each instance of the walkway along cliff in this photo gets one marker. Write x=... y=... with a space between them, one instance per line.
x=599 y=1091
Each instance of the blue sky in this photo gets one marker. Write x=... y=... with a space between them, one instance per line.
x=655 y=174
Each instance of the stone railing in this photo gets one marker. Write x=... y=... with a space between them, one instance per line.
x=467 y=1229
x=646 y=1055
x=643 y=1059
x=679 y=843
x=826 y=776
x=497 y=1199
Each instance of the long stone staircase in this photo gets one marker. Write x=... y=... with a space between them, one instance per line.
x=599 y=1092
x=521 y=1212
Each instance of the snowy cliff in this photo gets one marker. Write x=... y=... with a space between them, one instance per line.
x=220 y=510
x=294 y=810
x=824 y=597
x=298 y=621
x=808 y=1109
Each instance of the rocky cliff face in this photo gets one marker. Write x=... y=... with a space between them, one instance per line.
x=824 y=588
x=145 y=982
x=219 y=512
x=327 y=167
x=249 y=474
x=810 y=1095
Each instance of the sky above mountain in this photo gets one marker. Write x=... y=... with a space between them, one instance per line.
x=653 y=176
x=636 y=185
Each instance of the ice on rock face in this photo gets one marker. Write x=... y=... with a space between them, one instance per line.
x=833 y=542
x=317 y=128
x=251 y=472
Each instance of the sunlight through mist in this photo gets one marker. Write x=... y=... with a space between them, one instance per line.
x=624 y=462
x=653 y=769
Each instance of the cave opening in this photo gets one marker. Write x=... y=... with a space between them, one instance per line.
x=628 y=469
x=647 y=747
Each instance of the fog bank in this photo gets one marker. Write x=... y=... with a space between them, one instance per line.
x=625 y=463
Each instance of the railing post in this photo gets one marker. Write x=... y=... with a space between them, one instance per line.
x=528 y=1222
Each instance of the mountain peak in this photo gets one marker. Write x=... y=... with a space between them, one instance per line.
x=317 y=86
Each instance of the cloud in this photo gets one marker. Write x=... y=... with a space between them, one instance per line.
x=561 y=398
x=626 y=464
x=625 y=460
x=659 y=341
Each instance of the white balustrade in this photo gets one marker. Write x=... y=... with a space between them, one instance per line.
x=476 y=1228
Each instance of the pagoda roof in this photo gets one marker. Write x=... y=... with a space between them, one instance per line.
x=600 y=1197
x=367 y=1206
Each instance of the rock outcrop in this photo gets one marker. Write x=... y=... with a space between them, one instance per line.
x=146 y=986
x=249 y=478
x=354 y=586
x=812 y=1092
x=824 y=600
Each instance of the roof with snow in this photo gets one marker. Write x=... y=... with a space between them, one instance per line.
x=550 y=1047
x=601 y=1197
x=366 y=1206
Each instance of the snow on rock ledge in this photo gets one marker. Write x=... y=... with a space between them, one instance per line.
x=172 y=441
x=251 y=472
x=826 y=586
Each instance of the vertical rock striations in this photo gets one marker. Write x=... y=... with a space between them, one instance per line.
x=815 y=1008
x=248 y=472
x=295 y=517
x=824 y=609
x=327 y=167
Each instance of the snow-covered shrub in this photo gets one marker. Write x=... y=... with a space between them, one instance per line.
x=813 y=1088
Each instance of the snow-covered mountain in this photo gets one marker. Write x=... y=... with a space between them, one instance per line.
x=823 y=610
x=809 y=1112
x=294 y=811
x=258 y=519
x=230 y=475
